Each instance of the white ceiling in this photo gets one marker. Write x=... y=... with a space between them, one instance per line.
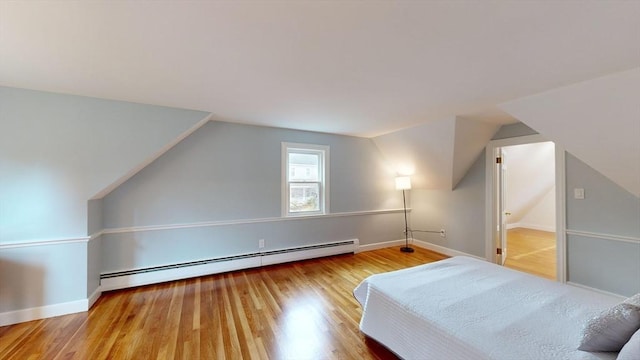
x=604 y=126
x=436 y=154
x=360 y=68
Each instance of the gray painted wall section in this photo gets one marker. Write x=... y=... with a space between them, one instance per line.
x=56 y=152
x=609 y=265
x=94 y=265
x=593 y=261
x=513 y=130
x=460 y=212
x=606 y=211
x=607 y=208
x=43 y=275
x=94 y=216
x=143 y=249
x=230 y=172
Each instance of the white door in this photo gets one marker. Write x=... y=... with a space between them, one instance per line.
x=501 y=191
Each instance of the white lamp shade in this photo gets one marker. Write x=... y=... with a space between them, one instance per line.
x=403 y=183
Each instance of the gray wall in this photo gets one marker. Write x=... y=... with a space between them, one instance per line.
x=460 y=212
x=94 y=265
x=608 y=211
x=597 y=253
x=232 y=173
x=606 y=208
x=513 y=130
x=31 y=277
x=56 y=152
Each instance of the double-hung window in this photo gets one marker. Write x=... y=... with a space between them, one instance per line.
x=305 y=174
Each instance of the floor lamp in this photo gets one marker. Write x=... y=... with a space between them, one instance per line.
x=404 y=183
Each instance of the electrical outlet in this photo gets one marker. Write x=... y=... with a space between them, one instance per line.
x=261 y=243
x=443 y=233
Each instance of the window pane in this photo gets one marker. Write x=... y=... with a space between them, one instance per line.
x=305 y=183
x=303 y=167
x=304 y=197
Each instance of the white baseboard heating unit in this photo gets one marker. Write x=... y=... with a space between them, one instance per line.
x=157 y=274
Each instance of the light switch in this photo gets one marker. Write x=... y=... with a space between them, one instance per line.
x=578 y=193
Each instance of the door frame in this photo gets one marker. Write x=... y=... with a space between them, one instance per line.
x=491 y=221
x=501 y=187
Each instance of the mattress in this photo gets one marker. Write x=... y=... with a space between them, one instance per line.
x=464 y=308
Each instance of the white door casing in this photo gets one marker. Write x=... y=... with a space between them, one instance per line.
x=494 y=211
x=501 y=176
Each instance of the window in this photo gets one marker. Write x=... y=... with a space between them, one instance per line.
x=305 y=170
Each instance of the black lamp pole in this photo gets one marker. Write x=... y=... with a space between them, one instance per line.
x=406 y=247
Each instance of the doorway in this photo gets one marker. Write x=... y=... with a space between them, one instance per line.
x=525 y=221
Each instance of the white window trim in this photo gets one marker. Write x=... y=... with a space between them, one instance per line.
x=324 y=189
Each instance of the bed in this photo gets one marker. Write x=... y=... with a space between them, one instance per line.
x=464 y=308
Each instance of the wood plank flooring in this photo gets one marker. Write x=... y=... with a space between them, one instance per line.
x=532 y=251
x=302 y=310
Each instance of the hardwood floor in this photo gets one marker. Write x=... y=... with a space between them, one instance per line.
x=302 y=310
x=532 y=251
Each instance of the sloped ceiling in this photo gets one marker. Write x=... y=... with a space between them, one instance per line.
x=437 y=154
x=598 y=121
x=356 y=68
x=470 y=139
x=362 y=68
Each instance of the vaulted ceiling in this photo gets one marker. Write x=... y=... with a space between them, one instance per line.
x=360 y=68
x=597 y=121
x=435 y=72
x=437 y=154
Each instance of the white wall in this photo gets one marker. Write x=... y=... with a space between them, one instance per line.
x=543 y=215
x=530 y=176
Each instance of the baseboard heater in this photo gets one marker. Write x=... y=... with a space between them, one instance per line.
x=157 y=274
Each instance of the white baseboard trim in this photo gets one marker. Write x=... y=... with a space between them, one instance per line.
x=121 y=282
x=160 y=276
x=443 y=250
x=307 y=254
x=621 y=297
x=380 y=245
x=42 y=312
x=94 y=297
x=419 y=243
x=217 y=266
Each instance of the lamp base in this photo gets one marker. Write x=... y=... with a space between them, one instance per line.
x=406 y=249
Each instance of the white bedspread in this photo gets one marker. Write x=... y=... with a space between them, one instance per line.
x=463 y=308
